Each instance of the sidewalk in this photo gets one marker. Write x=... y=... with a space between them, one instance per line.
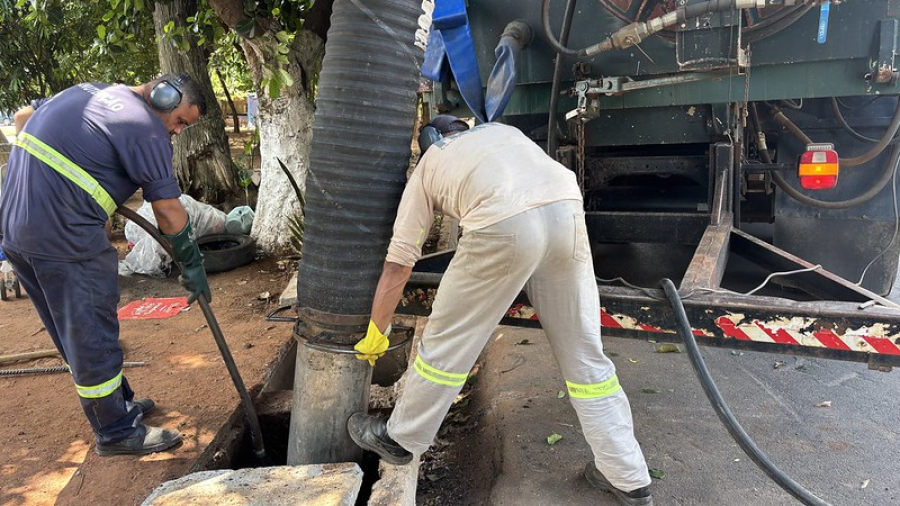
x=845 y=453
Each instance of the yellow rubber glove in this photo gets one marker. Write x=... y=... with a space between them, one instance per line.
x=373 y=346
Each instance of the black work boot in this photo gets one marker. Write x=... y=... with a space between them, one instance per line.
x=146 y=439
x=370 y=433
x=146 y=405
x=639 y=497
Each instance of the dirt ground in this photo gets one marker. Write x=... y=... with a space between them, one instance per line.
x=46 y=454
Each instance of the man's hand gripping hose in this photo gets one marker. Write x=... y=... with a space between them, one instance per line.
x=374 y=345
x=186 y=254
x=193 y=276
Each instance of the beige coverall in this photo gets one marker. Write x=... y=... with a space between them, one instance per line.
x=523 y=227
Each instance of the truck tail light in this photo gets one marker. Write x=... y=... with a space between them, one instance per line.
x=819 y=167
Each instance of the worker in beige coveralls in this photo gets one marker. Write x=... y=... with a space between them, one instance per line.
x=523 y=228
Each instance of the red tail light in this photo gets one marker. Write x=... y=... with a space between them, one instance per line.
x=819 y=167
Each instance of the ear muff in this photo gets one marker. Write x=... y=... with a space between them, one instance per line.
x=428 y=136
x=166 y=95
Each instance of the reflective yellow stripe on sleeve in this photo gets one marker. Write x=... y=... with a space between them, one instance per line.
x=101 y=390
x=594 y=390
x=67 y=169
x=438 y=376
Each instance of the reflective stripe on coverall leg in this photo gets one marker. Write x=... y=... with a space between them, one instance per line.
x=437 y=376
x=101 y=390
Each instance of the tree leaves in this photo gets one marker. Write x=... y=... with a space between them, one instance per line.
x=49 y=45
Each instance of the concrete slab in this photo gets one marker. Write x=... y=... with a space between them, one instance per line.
x=396 y=485
x=318 y=484
x=289 y=295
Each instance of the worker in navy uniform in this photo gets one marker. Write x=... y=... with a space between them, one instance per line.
x=78 y=156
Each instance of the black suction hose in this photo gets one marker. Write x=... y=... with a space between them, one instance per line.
x=259 y=449
x=552 y=141
x=725 y=415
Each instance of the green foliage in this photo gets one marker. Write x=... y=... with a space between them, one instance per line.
x=210 y=33
x=229 y=61
x=289 y=16
x=47 y=46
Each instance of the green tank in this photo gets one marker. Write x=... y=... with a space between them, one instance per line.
x=663 y=117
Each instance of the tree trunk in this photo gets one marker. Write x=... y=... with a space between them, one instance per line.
x=234 y=115
x=202 y=160
x=285 y=122
x=285 y=133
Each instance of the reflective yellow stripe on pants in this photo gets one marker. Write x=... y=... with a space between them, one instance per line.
x=594 y=390
x=67 y=169
x=101 y=390
x=438 y=376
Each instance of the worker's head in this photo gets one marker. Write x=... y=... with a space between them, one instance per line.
x=177 y=99
x=440 y=126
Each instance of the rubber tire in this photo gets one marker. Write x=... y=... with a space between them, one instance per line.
x=3 y=294
x=17 y=289
x=237 y=250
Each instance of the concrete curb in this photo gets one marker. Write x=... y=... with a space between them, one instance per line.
x=319 y=484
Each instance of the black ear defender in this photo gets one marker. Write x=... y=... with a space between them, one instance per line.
x=428 y=136
x=166 y=95
x=435 y=130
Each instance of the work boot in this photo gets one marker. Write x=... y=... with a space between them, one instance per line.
x=639 y=497
x=146 y=405
x=146 y=439
x=370 y=433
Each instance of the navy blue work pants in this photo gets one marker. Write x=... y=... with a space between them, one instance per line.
x=77 y=303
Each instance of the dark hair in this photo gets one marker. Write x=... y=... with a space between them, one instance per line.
x=445 y=124
x=190 y=89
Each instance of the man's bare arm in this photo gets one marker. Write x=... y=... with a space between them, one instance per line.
x=170 y=215
x=21 y=117
x=387 y=295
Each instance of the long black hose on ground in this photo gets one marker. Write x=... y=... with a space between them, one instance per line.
x=725 y=415
x=259 y=449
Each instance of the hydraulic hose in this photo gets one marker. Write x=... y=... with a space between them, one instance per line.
x=552 y=141
x=875 y=189
x=866 y=196
x=847 y=162
x=839 y=116
x=724 y=412
x=779 y=22
x=548 y=33
x=634 y=33
x=256 y=438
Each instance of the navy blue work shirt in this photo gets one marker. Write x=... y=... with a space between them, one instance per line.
x=111 y=133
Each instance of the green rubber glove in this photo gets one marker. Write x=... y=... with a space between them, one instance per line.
x=374 y=345
x=187 y=254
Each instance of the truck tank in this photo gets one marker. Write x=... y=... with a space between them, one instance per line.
x=686 y=123
x=641 y=124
